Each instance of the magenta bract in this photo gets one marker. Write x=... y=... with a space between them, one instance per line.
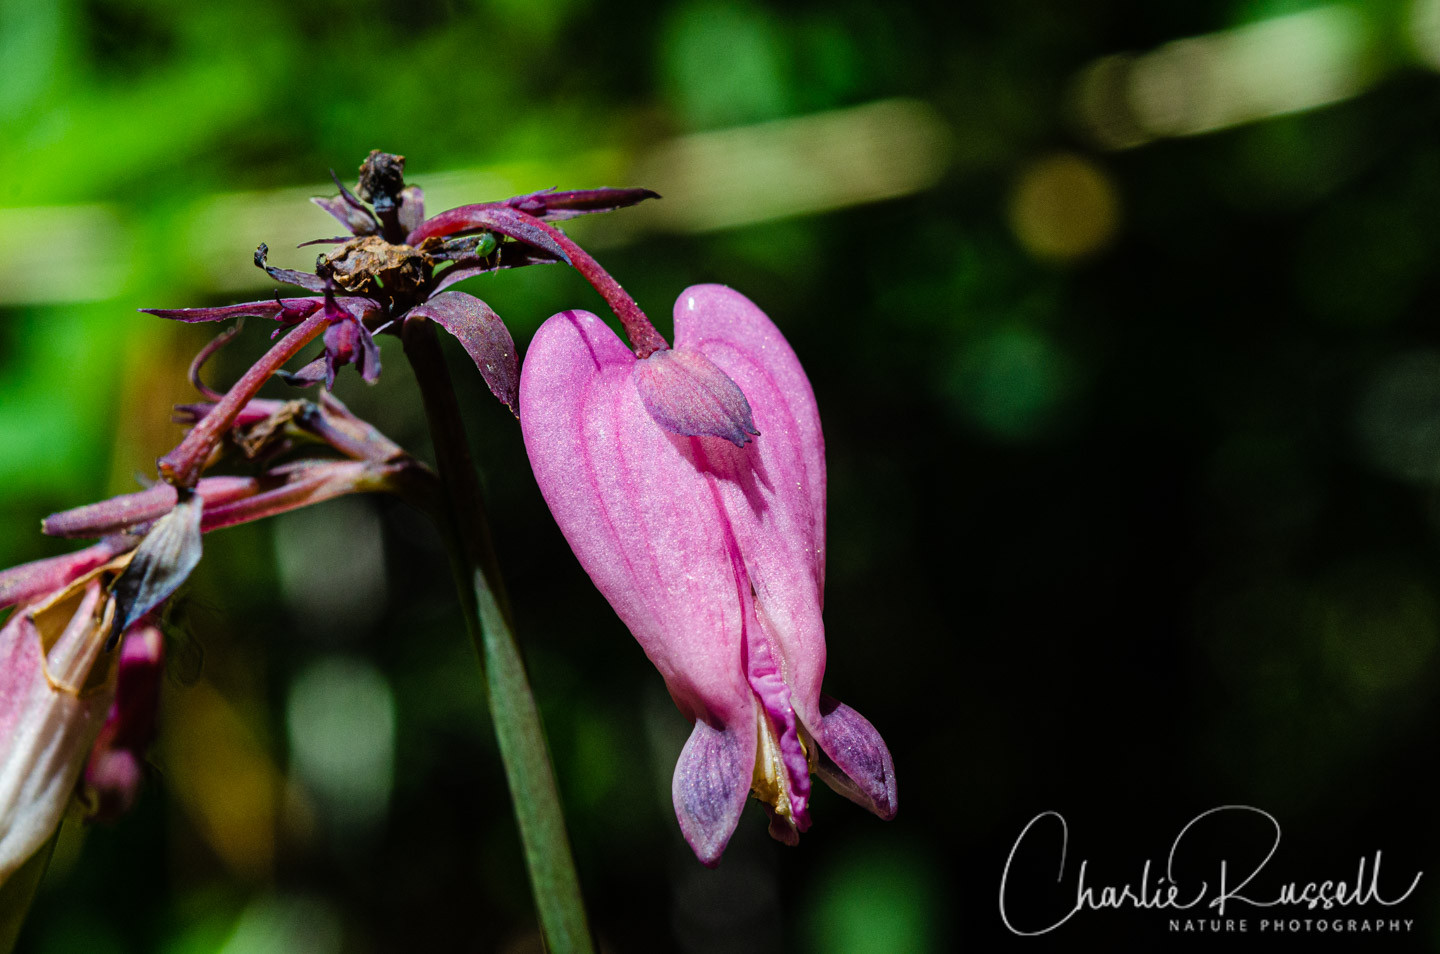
x=712 y=554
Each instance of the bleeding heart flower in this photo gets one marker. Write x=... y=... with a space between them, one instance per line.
x=710 y=547
x=56 y=684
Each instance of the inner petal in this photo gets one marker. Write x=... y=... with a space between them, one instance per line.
x=782 y=761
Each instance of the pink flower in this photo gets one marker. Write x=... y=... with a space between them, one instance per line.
x=56 y=685
x=710 y=547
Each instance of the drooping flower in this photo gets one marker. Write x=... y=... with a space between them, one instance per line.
x=709 y=546
x=56 y=683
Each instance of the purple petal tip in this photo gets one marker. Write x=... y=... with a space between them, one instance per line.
x=687 y=394
x=859 y=764
x=711 y=783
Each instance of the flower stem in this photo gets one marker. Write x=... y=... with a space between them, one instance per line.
x=181 y=467
x=644 y=339
x=512 y=705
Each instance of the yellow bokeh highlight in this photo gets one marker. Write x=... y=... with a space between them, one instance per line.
x=223 y=777
x=1064 y=207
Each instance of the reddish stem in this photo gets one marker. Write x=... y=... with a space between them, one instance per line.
x=644 y=339
x=129 y=512
x=504 y=219
x=312 y=485
x=181 y=467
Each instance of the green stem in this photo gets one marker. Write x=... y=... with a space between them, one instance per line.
x=512 y=705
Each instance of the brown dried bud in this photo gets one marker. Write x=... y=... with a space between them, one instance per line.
x=367 y=264
x=382 y=177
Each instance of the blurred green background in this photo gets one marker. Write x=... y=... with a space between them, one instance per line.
x=1122 y=321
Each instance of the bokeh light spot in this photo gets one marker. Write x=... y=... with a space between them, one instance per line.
x=283 y=925
x=1397 y=423
x=1064 y=207
x=341 y=722
x=1013 y=383
x=1379 y=625
x=725 y=64
x=876 y=901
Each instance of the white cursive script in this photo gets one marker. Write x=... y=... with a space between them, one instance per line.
x=1165 y=893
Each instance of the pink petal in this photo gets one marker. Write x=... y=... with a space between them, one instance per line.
x=30 y=581
x=639 y=516
x=772 y=491
x=53 y=701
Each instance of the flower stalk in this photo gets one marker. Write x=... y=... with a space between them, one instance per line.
x=521 y=738
x=181 y=467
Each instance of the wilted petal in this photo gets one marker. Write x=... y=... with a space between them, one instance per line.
x=858 y=764
x=342 y=346
x=314 y=372
x=484 y=337
x=287 y=310
x=688 y=395
x=163 y=561
x=711 y=783
x=368 y=361
x=287 y=275
x=411 y=209
x=56 y=683
x=555 y=206
x=358 y=220
x=30 y=581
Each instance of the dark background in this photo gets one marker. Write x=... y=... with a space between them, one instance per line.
x=1130 y=377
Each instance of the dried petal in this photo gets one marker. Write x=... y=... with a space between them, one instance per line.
x=555 y=206
x=358 y=221
x=287 y=275
x=56 y=684
x=411 y=208
x=285 y=310
x=30 y=581
x=163 y=561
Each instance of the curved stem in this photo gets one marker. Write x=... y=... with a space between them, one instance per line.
x=181 y=467
x=521 y=738
x=644 y=339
